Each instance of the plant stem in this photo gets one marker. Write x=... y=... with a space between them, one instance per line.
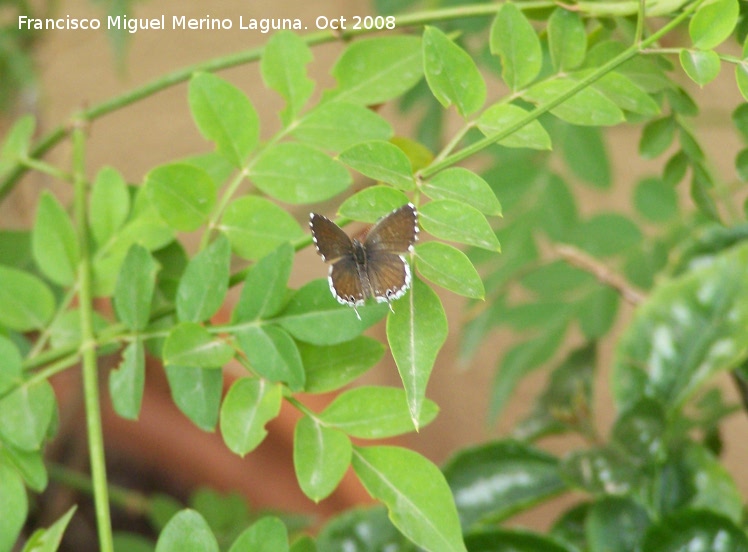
x=88 y=347
x=132 y=501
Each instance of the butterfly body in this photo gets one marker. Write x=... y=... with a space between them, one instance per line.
x=372 y=265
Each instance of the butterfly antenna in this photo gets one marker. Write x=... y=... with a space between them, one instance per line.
x=356 y=311
x=389 y=304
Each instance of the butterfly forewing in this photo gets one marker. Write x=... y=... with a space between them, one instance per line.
x=331 y=242
x=394 y=233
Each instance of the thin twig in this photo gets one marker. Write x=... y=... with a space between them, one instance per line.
x=604 y=275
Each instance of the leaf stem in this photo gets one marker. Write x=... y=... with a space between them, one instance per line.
x=88 y=346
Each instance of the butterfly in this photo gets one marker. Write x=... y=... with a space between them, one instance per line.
x=371 y=265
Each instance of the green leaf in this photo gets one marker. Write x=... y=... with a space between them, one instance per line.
x=657 y=137
x=16 y=144
x=314 y=316
x=15 y=249
x=597 y=312
x=189 y=344
x=331 y=367
x=451 y=73
x=456 y=221
x=567 y=39
x=555 y=278
x=127 y=380
x=463 y=185
x=601 y=471
x=360 y=530
x=587 y=107
x=272 y=354
x=372 y=203
x=700 y=185
x=268 y=534
x=53 y=241
x=30 y=465
x=416 y=495
x=48 y=540
x=283 y=68
x=711 y=486
x=109 y=206
x=26 y=413
x=15 y=506
x=205 y=282
x=702 y=66
x=584 y=151
x=566 y=402
x=249 y=404
x=374 y=412
x=197 y=393
x=606 y=234
x=626 y=94
x=741 y=73
x=515 y=540
x=187 y=530
x=616 y=524
x=713 y=23
x=375 y=70
x=640 y=431
x=134 y=290
x=655 y=200
x=321 y=456
x=182 y=194
x=740 y=119
x=339 y=125
x=225 y=116
x=514 y=40
x=26 y=303
x=558 y=212
x=675 y=169
x=255 y=226
x=500 y=116
x=519 y=361
x=450 y=268
x=264 y=291
x=690 y=328
x=380 y=161
x=296 y=173
x=741 y=164
x=695 y=530
x=416 y=331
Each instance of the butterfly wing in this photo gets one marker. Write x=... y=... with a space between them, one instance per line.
x=331 y=242
x=395 y=232
x=345 y=282
x=389 y=275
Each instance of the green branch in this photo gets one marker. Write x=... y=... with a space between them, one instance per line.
x=88 y=346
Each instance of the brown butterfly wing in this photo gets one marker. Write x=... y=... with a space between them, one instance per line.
x=389 y=275
x=395 y=232
x=345 y=282
x=331 y=242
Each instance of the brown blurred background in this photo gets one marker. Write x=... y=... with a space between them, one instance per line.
x=77 y=69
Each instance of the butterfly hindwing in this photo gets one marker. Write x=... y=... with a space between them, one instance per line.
x=345 y=282
x=388 y=274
